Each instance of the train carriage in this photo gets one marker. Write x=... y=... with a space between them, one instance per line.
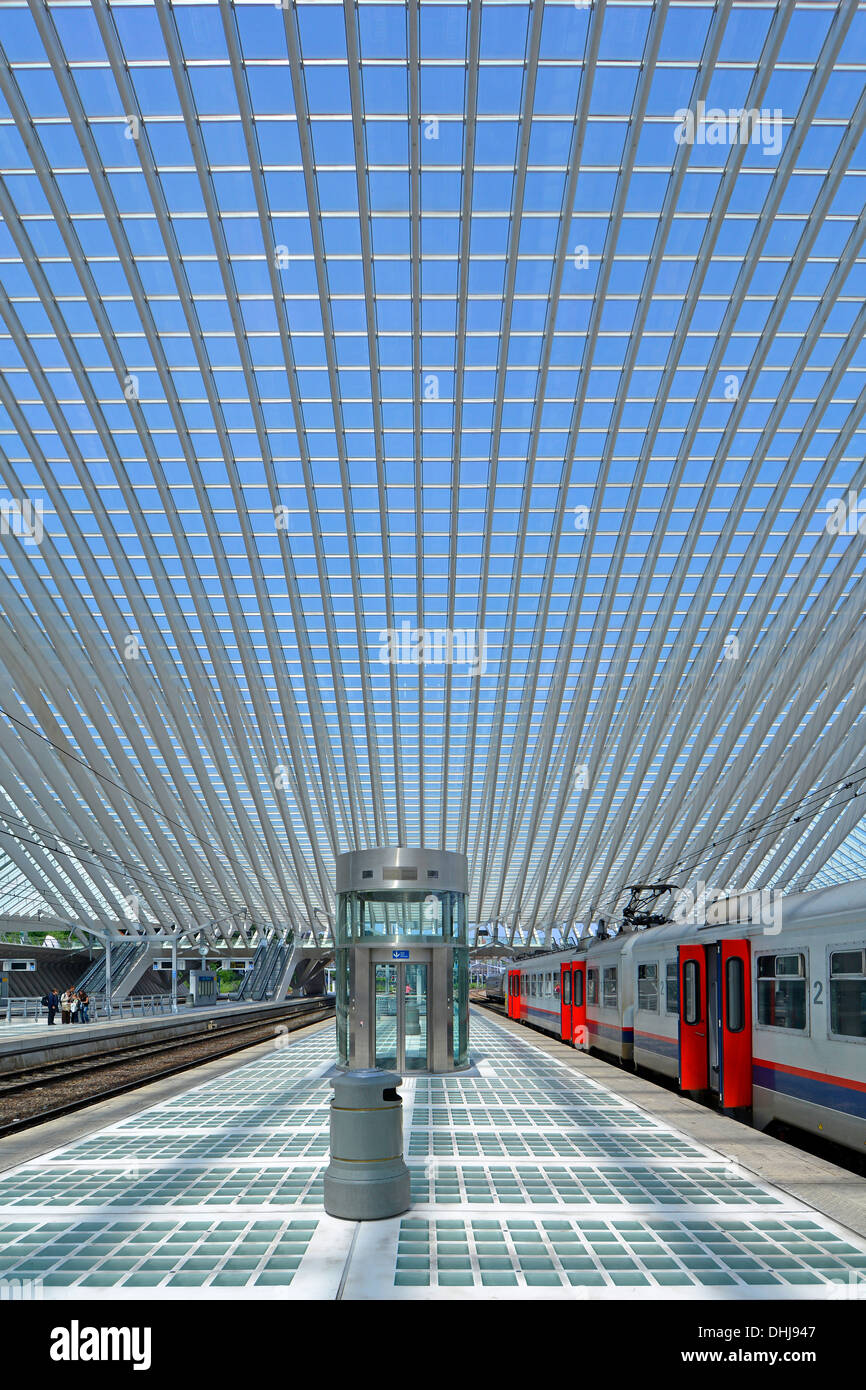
x=610 y=998
x=763 y=1017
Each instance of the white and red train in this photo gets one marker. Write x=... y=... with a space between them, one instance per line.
x=768 y=1021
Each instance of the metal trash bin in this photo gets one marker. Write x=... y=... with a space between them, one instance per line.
x=366 y=1179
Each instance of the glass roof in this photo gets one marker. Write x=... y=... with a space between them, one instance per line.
x=420 y=423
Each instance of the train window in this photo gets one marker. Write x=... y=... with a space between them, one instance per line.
x=782 y=991
x=691 y=992
x=592 y=986
x=648 y=988
x=547 y=985
x=608 y=997
x=578 y=989
x=566 y=988
x=848 y=993
x=848 y=963
x=672 y=988
x=735 y=995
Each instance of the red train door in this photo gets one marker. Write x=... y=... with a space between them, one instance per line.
x=511 y=1009
x=736 y=1025
x=565 y=1002
x=579 y=1036
x=693 y=1062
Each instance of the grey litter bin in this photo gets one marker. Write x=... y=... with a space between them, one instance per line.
x=367 y=1178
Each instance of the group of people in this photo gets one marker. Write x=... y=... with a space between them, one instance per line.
x=73 y=1004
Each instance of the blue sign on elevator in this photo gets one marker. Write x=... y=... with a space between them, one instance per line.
x=399 y=955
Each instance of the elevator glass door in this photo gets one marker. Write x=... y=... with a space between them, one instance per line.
x=414 y=994
x=387 y=1049
x=401 y=1016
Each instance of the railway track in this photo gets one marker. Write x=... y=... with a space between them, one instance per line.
x=55 y=1078
x=489 y=1004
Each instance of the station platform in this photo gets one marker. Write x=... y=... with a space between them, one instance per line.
x=531 y=1178
x=26 y=1045
x=23 y=1029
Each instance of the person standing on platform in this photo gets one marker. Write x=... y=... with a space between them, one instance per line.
x=65 y=1000
x=83 y=1006
x=52 y=1004
x=73 y=1006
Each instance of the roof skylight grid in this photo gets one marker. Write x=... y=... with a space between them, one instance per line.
x=420 y=423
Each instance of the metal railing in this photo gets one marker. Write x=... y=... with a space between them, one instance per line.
x=141 y=1006
x=136 y=1006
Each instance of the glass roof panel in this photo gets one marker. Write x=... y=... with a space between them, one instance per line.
x=428 y=423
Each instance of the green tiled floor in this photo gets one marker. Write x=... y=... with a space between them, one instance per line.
x=170 y=1254
x=526 y=1178
x=620 y=1253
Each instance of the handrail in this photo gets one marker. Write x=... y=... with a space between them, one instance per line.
x=245 y=988
x=265 y=970
x=94 y=979
x=134 y=1006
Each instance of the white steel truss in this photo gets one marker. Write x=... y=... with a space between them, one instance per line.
x=428 y=422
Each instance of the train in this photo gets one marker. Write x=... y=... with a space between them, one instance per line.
x=759 y=1012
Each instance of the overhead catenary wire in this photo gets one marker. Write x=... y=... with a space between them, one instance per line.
x=752 y=833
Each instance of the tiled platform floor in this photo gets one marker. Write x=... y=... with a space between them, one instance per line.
x=528 y=1181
